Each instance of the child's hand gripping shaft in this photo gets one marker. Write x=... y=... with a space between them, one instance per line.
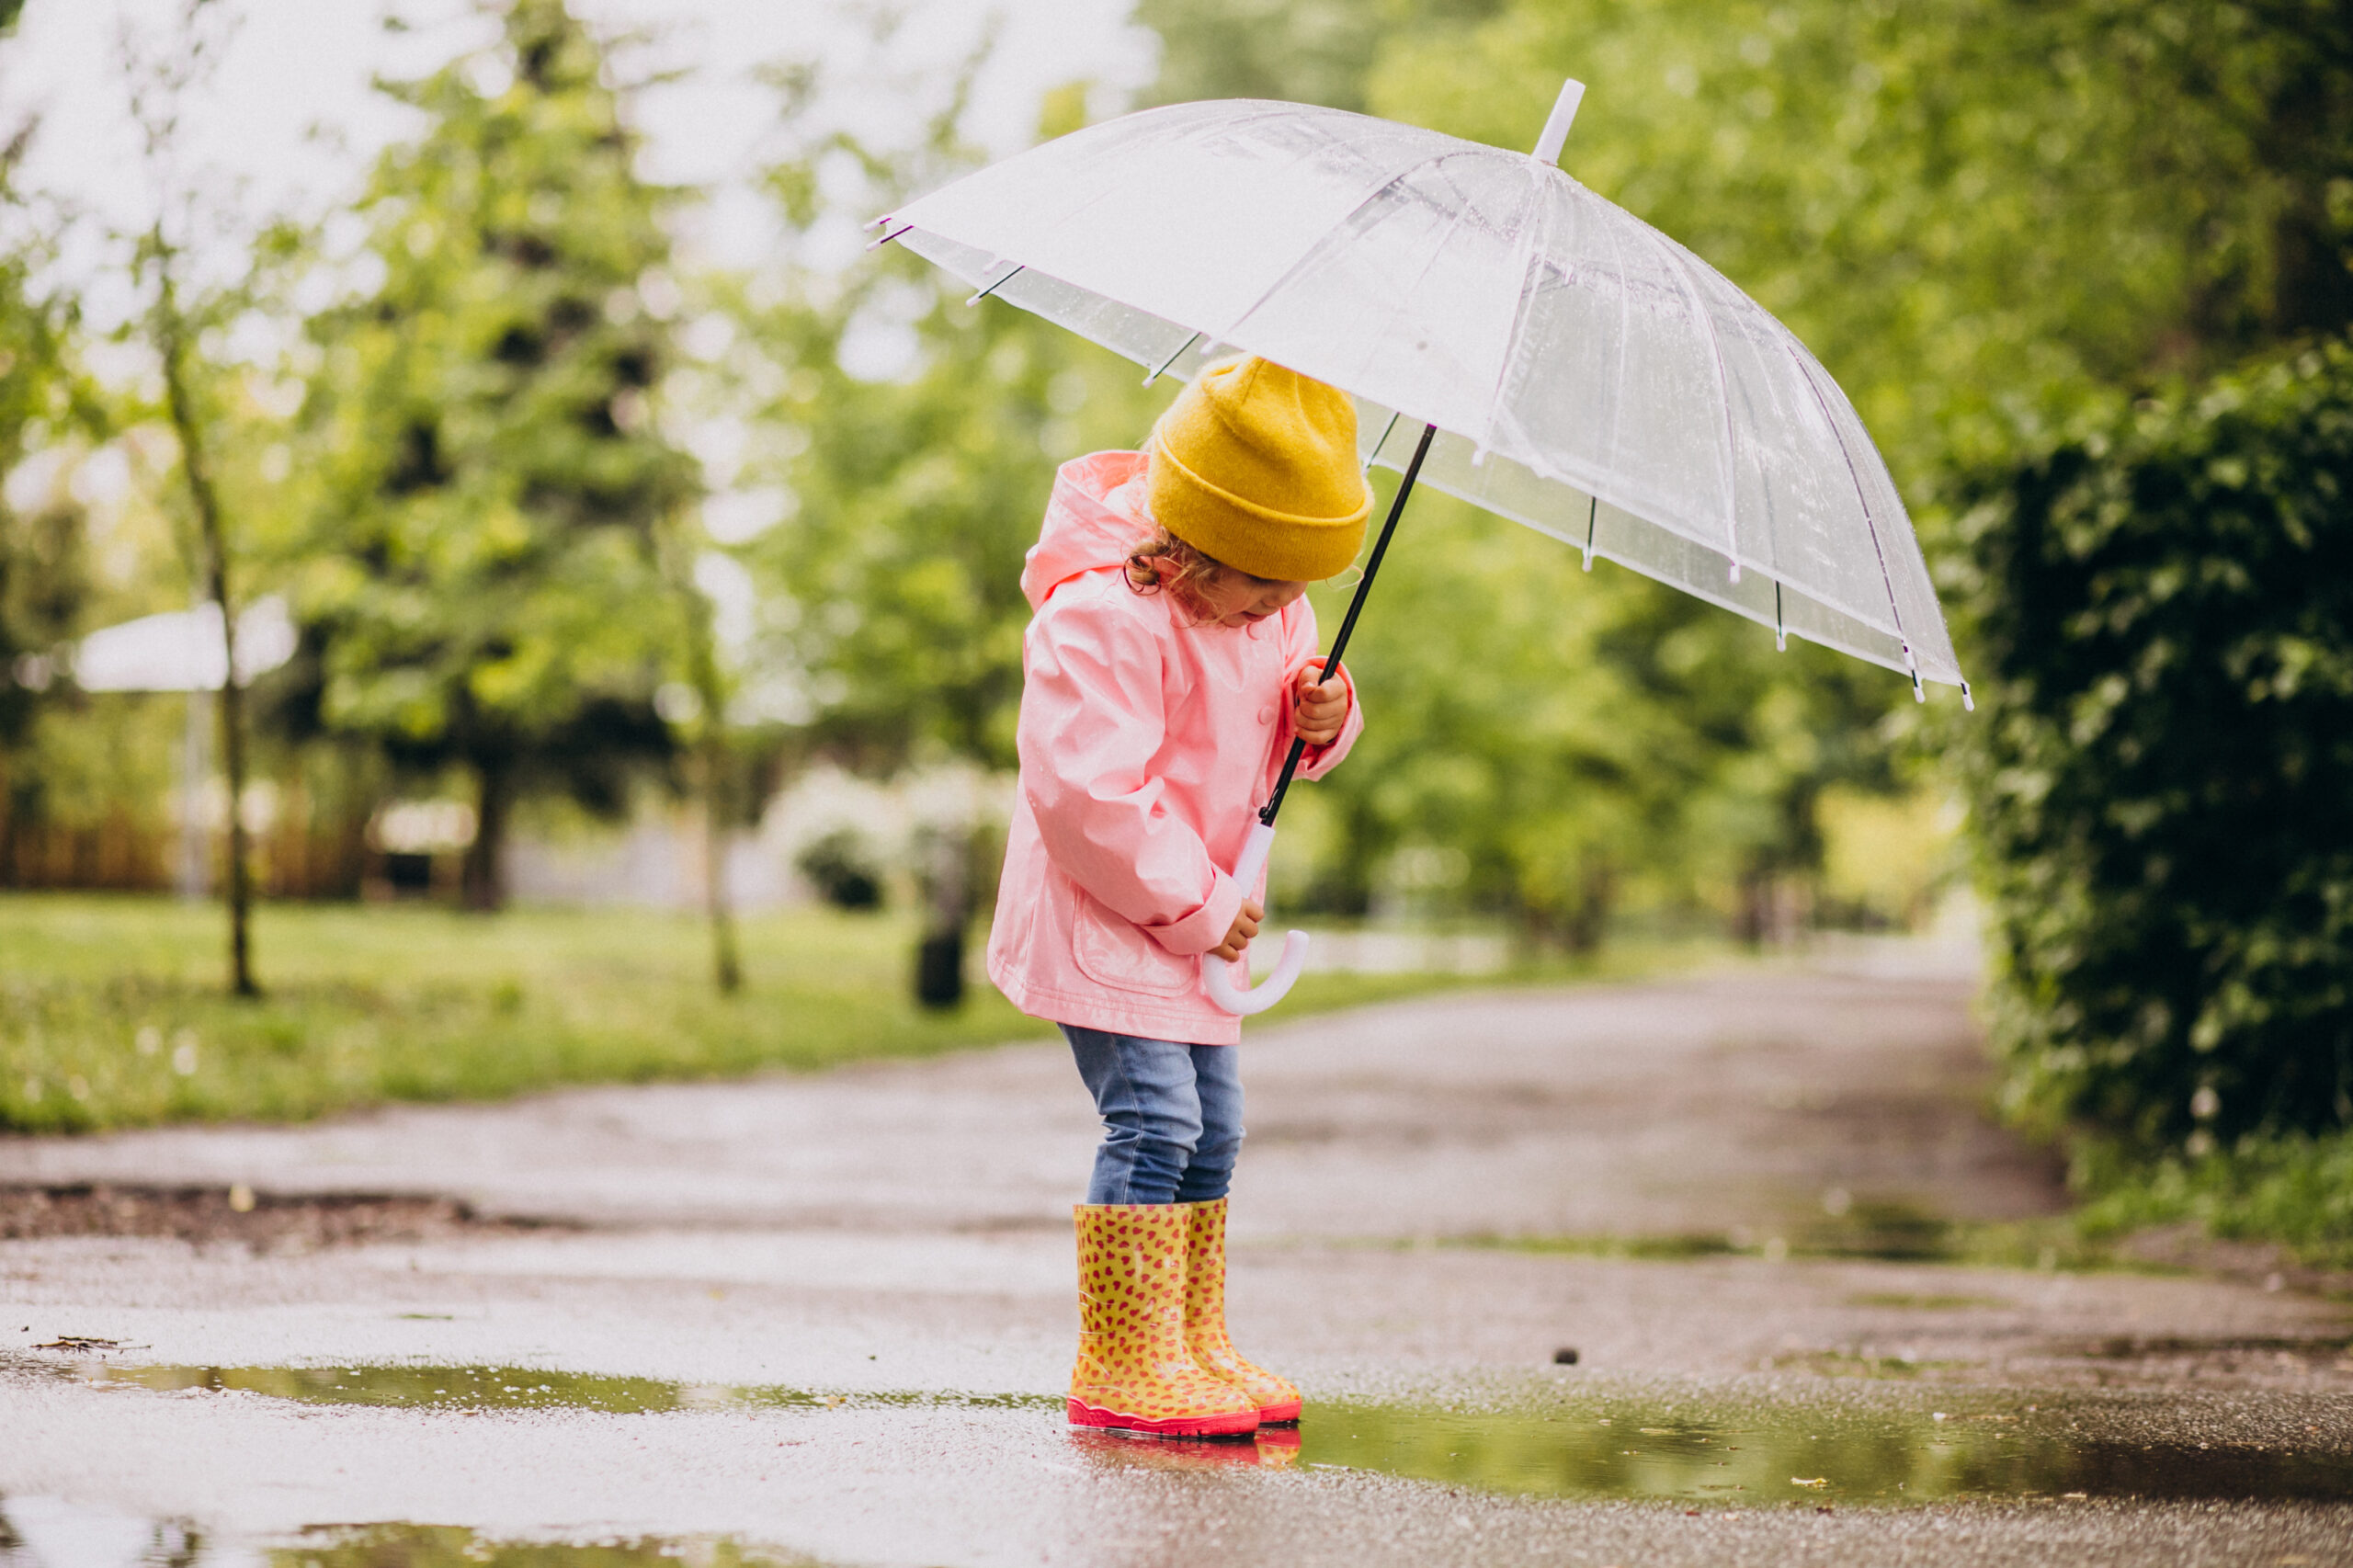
x=1217 y=976
x=1319 y=710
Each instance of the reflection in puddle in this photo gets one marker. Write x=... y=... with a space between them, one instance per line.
x=1767 y=1455
x=1276 y=1447
x=51 y=1532
x=449 y=1546
x=523 y=1388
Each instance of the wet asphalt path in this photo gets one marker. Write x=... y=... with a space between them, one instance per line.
x=836 y=1299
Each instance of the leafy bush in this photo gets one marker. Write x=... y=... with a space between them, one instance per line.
x=2163 y=771
x=844 y=870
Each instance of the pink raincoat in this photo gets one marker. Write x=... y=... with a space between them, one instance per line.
x=1147 y=742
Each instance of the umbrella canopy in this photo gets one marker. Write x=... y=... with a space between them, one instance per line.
x=1588 y=376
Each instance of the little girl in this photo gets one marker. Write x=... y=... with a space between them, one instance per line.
x=1171 y=662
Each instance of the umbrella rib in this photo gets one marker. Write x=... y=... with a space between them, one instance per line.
x=1625 y=331
x=1164 y=365
x=1723 y=390
x=1529 y=253
x=1855 y=478
x=1019 y=268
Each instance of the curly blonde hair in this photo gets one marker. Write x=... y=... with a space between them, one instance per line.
x=1148 y=571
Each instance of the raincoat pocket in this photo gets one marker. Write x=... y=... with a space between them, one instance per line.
x=1115 y=952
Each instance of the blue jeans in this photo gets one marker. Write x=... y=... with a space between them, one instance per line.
x=1172 y=1116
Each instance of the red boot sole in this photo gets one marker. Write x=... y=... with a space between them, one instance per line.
x=1228 y=1424
x=1284 y=1414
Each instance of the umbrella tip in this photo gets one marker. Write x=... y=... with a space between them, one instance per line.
x=1556 y=126
x=1968 y=703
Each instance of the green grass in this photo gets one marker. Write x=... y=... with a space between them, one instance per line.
x=112 y=1013
x=2291 y=1188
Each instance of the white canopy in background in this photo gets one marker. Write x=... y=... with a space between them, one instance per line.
x=180 y=650
x=1589 y=377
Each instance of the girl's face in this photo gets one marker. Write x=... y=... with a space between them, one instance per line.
x=1236 y=599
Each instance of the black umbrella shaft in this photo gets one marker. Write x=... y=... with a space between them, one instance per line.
x=1356 y=608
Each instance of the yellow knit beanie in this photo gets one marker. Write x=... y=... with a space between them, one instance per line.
x=1256 y=466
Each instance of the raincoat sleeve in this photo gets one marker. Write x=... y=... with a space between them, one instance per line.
x=1091 y=722
x=1300 y=651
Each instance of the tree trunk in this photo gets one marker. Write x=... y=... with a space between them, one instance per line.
x=482 y=879
x=172 y=333
x=675 y=555
x=947 y=898
x=717 y=798
x=1596 y=896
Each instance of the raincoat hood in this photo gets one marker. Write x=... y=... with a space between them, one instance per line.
x=1095 y=516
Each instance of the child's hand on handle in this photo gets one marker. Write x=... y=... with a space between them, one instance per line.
x=1245 y=926
x=1319 y=710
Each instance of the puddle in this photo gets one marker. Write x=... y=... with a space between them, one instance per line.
x=1860 y=1230
x=1766 y=1456
x=522 y=1388
x=1905 y=1301
x=451 y=1546
x=1760 y=1453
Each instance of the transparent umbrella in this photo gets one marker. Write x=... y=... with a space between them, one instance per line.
x=1509 y=338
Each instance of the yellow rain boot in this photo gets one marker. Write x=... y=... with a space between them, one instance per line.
x=1133 y=1372
x=1205 y=1334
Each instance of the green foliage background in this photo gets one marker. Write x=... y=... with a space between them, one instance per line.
x=2164 y=609
x=482 y=582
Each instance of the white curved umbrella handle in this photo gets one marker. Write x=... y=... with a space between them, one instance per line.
x=1217 y=976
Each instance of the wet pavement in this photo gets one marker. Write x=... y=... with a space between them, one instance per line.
x=825 y=1319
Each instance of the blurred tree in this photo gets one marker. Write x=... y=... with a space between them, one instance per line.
x=44 y=570
x=2164 y=596
x=916 y=439
x=1309 y=51
x=696 y=707
x=485 y=587
x=178 y=313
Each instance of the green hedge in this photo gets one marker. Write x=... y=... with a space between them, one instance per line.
x=2162 y=760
